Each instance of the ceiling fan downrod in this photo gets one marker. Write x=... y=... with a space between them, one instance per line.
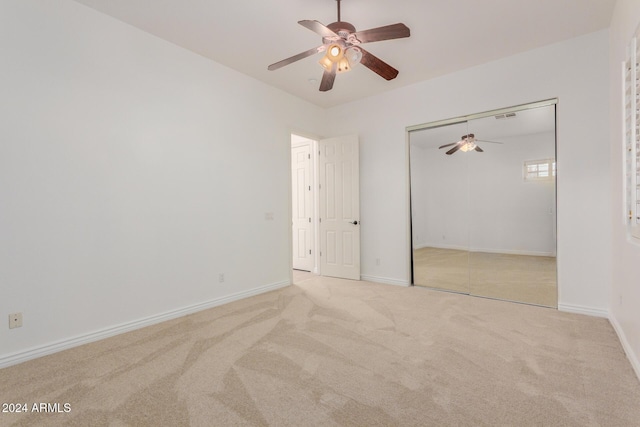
x=338 y=10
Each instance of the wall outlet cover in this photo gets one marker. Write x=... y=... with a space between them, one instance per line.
x=15 y=320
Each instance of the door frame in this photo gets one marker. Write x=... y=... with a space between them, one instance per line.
x=305 y=138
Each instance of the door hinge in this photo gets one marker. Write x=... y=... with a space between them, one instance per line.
x=309 y=188
x=309 y=251
x=320 y=253
x=309 y=219
x=320 y=219
x=309 y=156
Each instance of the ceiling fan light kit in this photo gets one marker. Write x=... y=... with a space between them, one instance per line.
x=335 y=56
x=354 y=56
x=468 y=146
x=341 y=42
x=334 y=53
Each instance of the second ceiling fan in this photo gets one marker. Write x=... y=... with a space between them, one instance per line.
x=466 y=143
x=342 y=44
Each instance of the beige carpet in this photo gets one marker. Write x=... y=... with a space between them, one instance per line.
x=330 y=352
x=520 y=278
x=446 y=269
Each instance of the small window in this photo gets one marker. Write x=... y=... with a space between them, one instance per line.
x=540 y=170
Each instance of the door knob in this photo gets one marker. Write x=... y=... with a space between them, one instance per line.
x=355 y=222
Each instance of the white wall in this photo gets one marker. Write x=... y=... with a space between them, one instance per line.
x=625 y=284
x=480 y=201
x=132 y=173
x=575 y=71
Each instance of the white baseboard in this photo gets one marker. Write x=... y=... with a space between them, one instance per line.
x=588 y=311
x=385 y=280
x=633 y=358
x=33 y=353
x=441 y=246
x=513 y=252
x=488 y=251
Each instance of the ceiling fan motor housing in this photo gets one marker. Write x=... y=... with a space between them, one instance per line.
x=339 y=26
x=343 y=29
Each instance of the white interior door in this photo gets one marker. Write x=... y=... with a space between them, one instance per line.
x=339 y=169
x=302 y=205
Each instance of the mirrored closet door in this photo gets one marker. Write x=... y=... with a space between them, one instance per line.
x=483 y=205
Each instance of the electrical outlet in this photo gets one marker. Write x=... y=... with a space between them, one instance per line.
x=15 y=320
x=221 y=277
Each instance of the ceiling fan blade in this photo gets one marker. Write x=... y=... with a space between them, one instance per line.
x=295 y=58
x=454 y=149
x=378 y=66
x=493 y=142
x=449 y=145
x=318 y=28
x=388 y=32
x=478 y=149
x=327 y=79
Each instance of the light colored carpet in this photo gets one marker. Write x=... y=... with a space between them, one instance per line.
x=331 y=352
x=520 y=278
x=446 y=269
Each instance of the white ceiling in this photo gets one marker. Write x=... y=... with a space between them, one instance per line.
x=446 y=35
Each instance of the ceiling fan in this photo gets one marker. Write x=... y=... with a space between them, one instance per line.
x=341 y=42
x=466 y=143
